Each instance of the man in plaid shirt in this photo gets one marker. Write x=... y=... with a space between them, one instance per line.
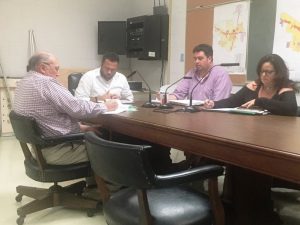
x=55 y=109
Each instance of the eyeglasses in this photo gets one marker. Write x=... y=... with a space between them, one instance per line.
x=267 y=72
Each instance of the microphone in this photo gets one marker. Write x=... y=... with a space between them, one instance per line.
x=192 y=108
x=148 y=104
x=228 y=64
x=165 y=104
x=131 y=74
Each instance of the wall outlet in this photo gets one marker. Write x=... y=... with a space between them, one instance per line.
x=181 y=57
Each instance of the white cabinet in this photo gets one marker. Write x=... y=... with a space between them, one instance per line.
x=6 y=129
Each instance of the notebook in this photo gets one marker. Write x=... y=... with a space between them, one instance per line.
x=240 y=110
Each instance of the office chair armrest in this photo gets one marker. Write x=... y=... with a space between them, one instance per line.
x=55 y=140
x=198 y=173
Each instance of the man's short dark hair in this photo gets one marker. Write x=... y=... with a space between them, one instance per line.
x=207 y=49
x=111 y=56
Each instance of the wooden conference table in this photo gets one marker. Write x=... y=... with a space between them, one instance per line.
x=269 y=144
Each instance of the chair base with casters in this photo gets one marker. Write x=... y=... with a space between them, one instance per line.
x=56 y=195
x=151 y=199
x=27 y=132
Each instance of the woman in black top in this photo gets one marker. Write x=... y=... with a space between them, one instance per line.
x=272 y=90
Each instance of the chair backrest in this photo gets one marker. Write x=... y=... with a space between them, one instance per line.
x=73 y=80
x=27 y=132
x=120 y=163
x=26 y=129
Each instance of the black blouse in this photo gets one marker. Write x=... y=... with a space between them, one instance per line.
x=280 y=104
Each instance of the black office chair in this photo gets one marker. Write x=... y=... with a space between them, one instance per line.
x=73 y=80
x=150 y=198
x=27 y=132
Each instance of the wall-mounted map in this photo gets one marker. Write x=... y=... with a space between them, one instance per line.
x=287 y=35
x=230 y=35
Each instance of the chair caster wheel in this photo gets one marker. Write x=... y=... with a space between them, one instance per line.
x=19 y=197
x=20 y=220
x=90 y=212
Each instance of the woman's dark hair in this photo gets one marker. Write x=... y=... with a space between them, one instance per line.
x=281 y=71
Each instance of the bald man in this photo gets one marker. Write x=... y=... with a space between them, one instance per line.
x=55 y=109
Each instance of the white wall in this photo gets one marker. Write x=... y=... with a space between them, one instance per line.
x=69 y=30
x=177 y=40
x=65 y=27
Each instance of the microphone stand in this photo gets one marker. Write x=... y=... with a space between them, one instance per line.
x=165 y=104
x=148 y=104
x=192 y=108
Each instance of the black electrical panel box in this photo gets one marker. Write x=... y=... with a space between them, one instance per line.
x=112 y=37
x=147 y=37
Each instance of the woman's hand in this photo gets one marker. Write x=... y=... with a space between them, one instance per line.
x=249 y=104
x=209 y=104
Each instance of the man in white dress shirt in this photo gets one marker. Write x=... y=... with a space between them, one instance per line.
x=104 y=82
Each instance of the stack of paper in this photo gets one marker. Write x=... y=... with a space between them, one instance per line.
x=121 y=107
x=239 y=110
